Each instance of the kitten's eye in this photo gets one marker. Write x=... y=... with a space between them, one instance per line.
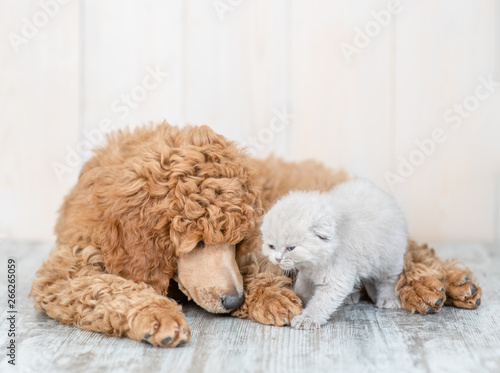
x=271 y=247
x=290 y=248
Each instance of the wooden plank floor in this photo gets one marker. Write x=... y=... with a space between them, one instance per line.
x=360 y=338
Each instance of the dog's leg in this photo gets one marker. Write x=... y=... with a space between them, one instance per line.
x=420 y=286
x=269 y=298
x=74 y=289
x=427 y=283
x=461 y=287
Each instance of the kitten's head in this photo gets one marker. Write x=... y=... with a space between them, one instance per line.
x=297 y=232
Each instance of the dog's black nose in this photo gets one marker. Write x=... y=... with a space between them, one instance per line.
x=230 y=302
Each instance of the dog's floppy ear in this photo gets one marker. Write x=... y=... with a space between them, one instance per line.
x=140 y=255
x=323 y=229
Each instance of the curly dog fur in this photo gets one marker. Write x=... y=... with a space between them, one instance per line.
x=150 y=199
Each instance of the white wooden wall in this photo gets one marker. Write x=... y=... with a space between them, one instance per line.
x=235 y=65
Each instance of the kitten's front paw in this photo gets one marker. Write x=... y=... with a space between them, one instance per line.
x=304 y=322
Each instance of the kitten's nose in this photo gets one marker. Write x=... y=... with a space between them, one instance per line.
x=278 y=260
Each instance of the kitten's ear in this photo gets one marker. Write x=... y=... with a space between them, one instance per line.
x=323 y=229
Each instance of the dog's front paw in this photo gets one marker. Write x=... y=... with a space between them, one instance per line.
x=159 y=323
x=304 y=322
x=273 y=306
x=424 y=296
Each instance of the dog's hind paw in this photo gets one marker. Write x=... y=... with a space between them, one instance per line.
x=425 y=296
x=462 y=290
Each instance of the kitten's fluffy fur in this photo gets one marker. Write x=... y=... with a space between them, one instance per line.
x=354 y=233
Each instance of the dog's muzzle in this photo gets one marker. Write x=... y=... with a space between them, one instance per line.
x=211 y=277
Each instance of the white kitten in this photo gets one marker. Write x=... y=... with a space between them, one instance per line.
x=354 y=233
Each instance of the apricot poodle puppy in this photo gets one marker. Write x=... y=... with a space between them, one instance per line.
x=163 y=205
